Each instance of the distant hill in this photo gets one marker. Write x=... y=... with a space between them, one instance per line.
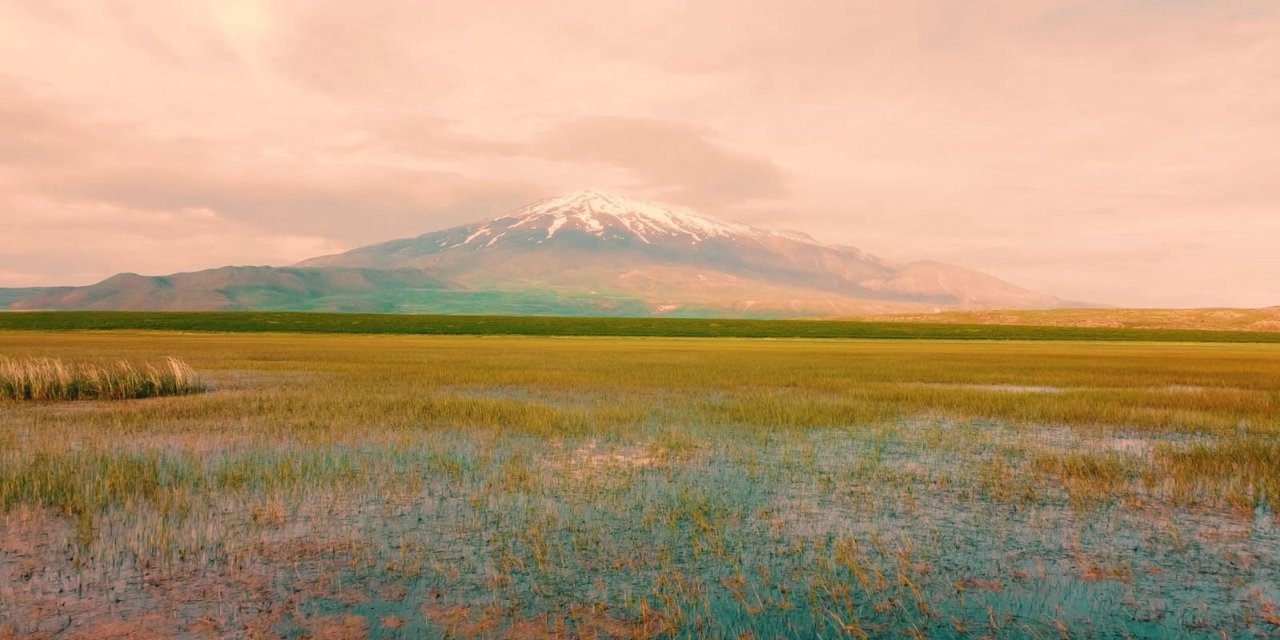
x=10 y=296
x=242 y=288
x=586 y=253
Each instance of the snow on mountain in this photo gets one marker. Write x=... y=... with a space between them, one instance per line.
x=606 y=216
x=594 y=211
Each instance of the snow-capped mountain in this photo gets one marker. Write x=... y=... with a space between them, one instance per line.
x=608 y=216
x=589 y=218
x=675 y=257
x=588 y=252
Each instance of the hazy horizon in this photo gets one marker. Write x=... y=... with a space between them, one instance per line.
x=1113 y=152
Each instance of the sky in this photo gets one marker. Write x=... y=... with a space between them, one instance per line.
x=1114 y=151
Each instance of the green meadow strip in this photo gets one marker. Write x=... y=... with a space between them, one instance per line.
x=271 y=322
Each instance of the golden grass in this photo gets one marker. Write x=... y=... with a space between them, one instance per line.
x=335 y=387
x=1090 y=478
x=556 y=458
x=311 y=393
x=1224 y=319
x=1242 y=472
x=49 y=379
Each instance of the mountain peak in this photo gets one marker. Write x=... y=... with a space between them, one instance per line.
x=595 y=211
x=591 y=195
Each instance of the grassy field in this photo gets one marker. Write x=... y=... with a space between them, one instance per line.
x=346 y=486
x=1201 y=319
x=352 y=323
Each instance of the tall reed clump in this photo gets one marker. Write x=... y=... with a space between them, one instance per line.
x=45 y=379
x=1242 y=472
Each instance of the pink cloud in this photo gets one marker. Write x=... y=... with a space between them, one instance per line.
x=1110 y=151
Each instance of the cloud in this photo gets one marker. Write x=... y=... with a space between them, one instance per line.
x=422 y=135
x=346 y=48
x=989 y=133
x=68 y=242
x=46 y=150
x=35 y=131
x=679 y=161
x=356 y=207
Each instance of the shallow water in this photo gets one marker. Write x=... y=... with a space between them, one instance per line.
x=887 y=531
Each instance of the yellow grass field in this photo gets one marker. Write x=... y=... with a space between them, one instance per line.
x=452 y=486
x=1267 y=319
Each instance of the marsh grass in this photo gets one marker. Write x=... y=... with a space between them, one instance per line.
x=49 y=379
x=1090 y=478
x=1241 y=472
x=552 y=487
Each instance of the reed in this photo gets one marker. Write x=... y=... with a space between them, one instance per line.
x=50 y=379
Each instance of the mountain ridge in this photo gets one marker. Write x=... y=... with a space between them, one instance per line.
x=578 y=253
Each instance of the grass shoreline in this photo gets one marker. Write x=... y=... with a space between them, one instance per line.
x=393 y=324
